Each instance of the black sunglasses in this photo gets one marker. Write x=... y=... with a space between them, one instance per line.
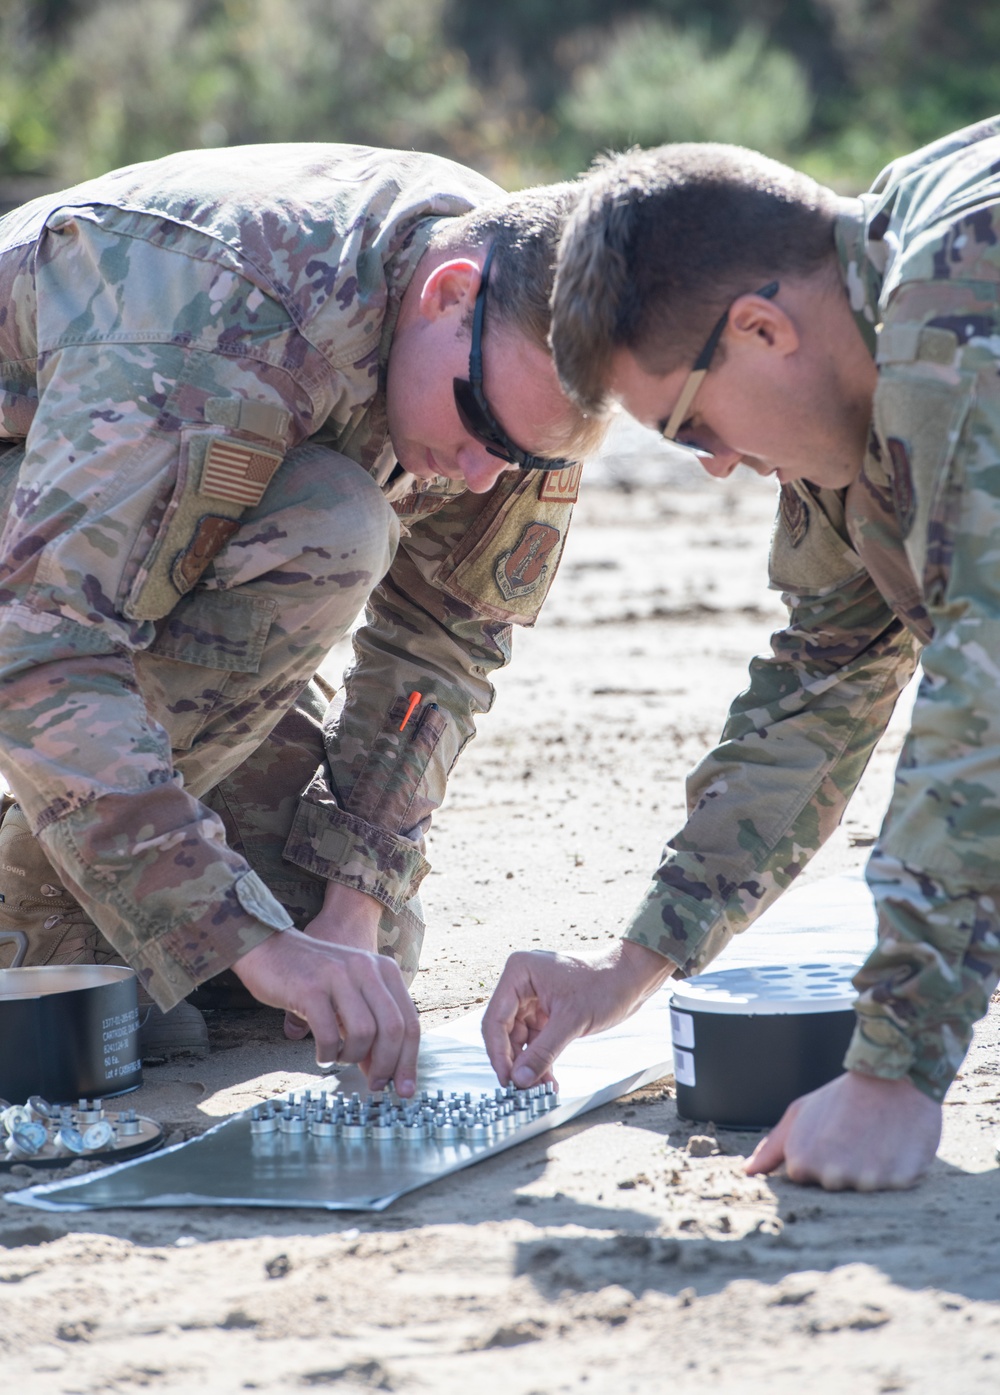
x=470 y=399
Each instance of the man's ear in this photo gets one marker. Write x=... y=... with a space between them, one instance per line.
x=753 y=319
x=450 y=287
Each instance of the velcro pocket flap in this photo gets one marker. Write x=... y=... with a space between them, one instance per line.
x=218 y=479
x=504 y=565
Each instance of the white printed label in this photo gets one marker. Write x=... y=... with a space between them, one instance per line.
x=119 y=1035
x=684 y=1067
x=681 y=1028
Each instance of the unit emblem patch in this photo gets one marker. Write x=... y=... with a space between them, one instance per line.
x=521 y=569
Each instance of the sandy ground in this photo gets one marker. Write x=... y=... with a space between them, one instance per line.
x=604 y=1256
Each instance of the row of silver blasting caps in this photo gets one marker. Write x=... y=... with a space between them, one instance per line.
x=384 y=1117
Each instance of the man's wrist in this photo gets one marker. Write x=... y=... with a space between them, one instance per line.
x=646 y=967
x=349 y=917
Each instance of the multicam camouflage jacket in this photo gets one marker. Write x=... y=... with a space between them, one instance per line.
x=168 y=332
x=908 y=556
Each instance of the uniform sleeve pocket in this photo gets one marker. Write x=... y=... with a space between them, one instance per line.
x=394 y=767
x=219 y=477
x=504 y=564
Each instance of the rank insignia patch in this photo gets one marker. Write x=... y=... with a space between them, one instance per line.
x=794 y=515
x=521 y=569
x=561 y=486
x=902 y=484
x=237 y=470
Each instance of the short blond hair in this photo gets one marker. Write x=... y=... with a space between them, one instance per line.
x=525 y=228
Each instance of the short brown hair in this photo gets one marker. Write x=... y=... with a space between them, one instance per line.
x=661 y=241
x=525 y=227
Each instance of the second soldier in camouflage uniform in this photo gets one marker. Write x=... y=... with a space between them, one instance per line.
x=856 y=355
x=226 y=381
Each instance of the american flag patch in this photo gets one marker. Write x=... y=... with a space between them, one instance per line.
x=237 y=471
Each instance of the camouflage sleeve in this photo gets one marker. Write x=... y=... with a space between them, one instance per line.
x=935 y=871
x=439 y=624
x=792 y=751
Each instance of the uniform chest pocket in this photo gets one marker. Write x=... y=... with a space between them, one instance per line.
x=808 y=555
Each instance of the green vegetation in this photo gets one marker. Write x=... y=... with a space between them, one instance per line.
x=520 y=89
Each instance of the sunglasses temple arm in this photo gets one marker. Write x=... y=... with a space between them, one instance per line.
x=679 y=413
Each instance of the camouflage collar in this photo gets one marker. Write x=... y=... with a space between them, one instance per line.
x=399 y=270
x=861 y=276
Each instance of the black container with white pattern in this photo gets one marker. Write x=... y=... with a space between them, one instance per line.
x=749 y=1040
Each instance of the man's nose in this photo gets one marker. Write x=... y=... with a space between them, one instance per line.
x=480 y=470
x=721 y=463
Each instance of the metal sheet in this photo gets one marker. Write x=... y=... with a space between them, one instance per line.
x=232 y=1166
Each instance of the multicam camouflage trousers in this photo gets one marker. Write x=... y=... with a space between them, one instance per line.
x=247 y=736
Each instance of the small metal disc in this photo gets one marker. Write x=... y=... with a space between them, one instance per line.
x=14 y=1116
x=99 y=1135
x=69 y=1140
x=28 y=1139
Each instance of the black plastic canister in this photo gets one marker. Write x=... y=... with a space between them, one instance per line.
x=749 y=1040
x=68 y=1032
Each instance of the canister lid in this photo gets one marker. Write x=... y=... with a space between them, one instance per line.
x=39 y=980
x=752 y=989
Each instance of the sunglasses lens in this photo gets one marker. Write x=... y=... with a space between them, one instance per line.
x=487 y=433
x=475 y=422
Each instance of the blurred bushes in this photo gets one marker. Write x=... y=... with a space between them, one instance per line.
x=651 y=79
x=519 y=89
x=126 y=80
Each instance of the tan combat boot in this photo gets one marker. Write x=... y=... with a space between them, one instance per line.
x=37 y=912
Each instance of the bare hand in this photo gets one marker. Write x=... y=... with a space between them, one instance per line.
x=546 y=1000
x=355 y=1003
x=857 y=1131
x=350 y=918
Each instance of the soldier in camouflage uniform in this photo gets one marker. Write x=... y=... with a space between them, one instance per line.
x=855 y=354
x=240 y=403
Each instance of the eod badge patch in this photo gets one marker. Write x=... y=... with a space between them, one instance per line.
x=503 y=562
x=521 y=569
